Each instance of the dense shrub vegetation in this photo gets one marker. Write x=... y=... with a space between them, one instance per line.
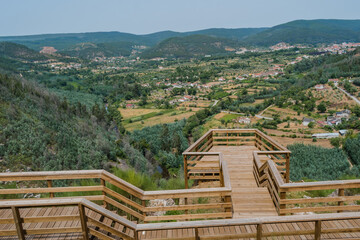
x=317 y=163
x=43 y=132
x=162 y=144
x=352 y=148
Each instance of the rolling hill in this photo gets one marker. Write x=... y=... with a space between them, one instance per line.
x=308 y=32
x=63 y=42
x=19 y=52
x=190 y=46
x=92 y=50
x=193 y=43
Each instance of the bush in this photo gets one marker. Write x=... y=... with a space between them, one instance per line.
x=352 y=148
x=317 y=163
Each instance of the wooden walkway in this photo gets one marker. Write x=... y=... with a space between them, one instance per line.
x=222 y=162
x=249 y=200
x=45 y=212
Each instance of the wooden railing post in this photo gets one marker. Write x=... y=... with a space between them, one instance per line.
x=341 y=194
x=83 y=219
x=103 y=183
x=287 y=178
x=197 y=237
x=49 y=184
x=317 y=230
x=136 y=234
x=143 y=203
x=18 y=223
x=228 y=200
x=259 y=231
x=282 y=206
x=186 y=172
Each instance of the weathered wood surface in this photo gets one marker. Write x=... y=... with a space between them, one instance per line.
x=326 y=226
x=252 y=187
x=248 y=199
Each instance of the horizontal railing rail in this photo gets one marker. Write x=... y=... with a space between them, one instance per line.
x=268 y=148
x=292 y=198
x=90 y=220
x=118 y=195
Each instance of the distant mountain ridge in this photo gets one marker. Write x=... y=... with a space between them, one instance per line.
x=190 y=46
x=68 y=40
x=170 y=43
x=19 y=52
x=308 y=32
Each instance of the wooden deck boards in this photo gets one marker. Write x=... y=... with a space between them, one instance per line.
x=248 y=199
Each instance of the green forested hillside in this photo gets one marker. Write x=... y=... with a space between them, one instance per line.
x=190 y=46
x=63 y=41
x=92 y=50
x=329 y=66
x=66 y=41
x=309 y=32
x=42 y=132
x=18 y=51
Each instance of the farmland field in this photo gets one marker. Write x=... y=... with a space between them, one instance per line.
x=130 y=113
x=166 y=117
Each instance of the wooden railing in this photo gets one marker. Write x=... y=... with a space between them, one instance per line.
x=291 y=198
x=89 y=220
x=108 y=208
x=118 y=195
x=269 y=149
x=86 y=218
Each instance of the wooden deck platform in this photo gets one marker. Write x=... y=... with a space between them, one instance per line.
x=249 y=200
x=240 y=192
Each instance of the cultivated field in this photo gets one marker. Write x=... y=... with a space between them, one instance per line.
x=168 y=117
x=131 y=113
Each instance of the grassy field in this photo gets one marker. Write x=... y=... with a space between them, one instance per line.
x=128 y=113
x=153 y=118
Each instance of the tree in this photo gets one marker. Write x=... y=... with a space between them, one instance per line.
x=336 y=142
x=322 y=107
x=310 y=105
x=311 y=125
x=356 y=110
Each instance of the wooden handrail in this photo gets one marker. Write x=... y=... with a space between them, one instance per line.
x=266 y=170
x=134 y=207
x=195 y=144
x=136 y=229
x=277 y=186
x=50 y=175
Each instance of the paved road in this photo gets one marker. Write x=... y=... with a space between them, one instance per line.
x=232 y=112
x=349 y=95
x=262 y=112
x=268 y=118
x=216 y=101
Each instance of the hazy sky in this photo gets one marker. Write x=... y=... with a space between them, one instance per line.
x=24 y=17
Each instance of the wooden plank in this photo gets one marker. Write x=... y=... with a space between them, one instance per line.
x=321 y=209
x=124 y=199
x=50 y=175
x=100 y=235
x=5 y=233
x=107 y=228
x=124 y=208
x=188 y=207
x=52 y=190
x=53 y=230
x=201 y=192
x=188 y=216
